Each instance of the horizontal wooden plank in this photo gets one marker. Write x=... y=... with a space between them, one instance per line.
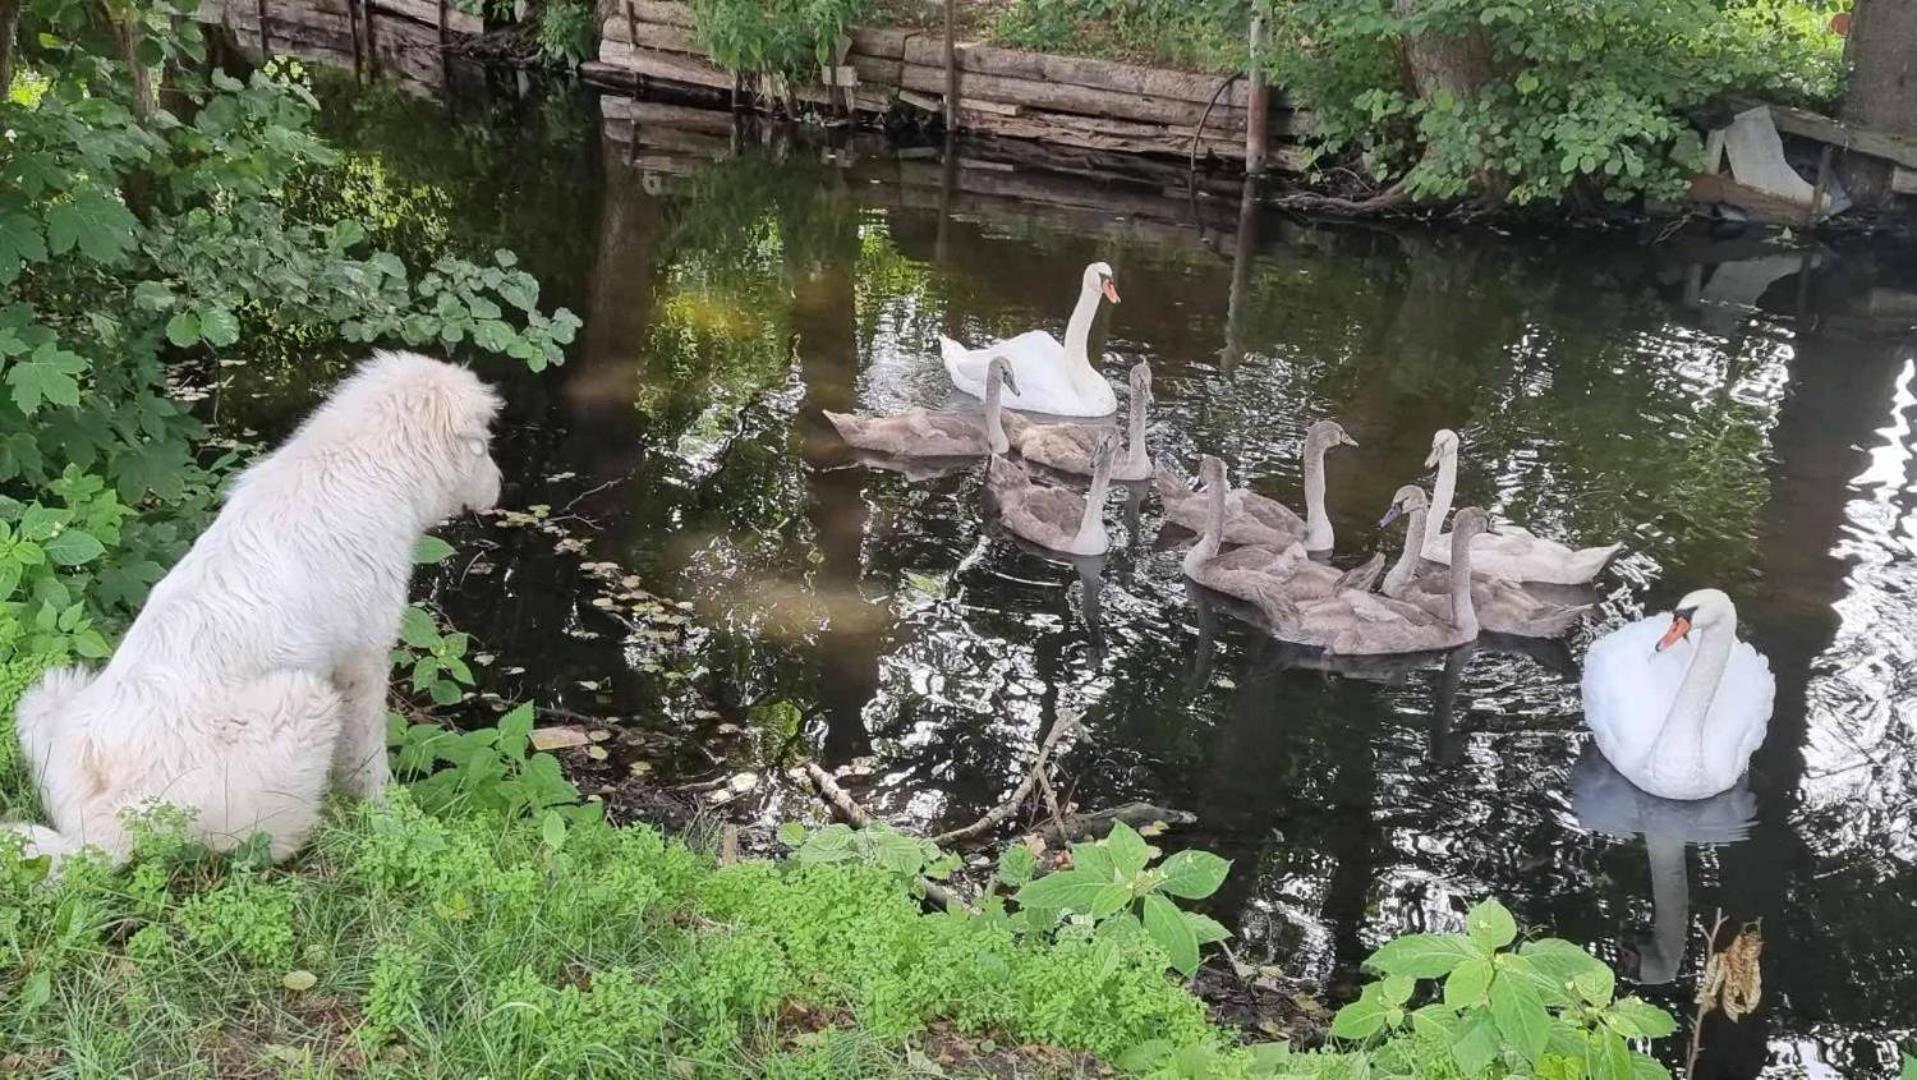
x=427 y=12
x=652 y=35
x=1107 y=75
x=1058 y=97
x=660 y=65
x=710 y=121
x=1810 y=125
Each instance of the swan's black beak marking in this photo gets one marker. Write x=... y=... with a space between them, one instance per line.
x=1680 y=628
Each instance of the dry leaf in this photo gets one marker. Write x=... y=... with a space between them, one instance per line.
x=557 y=738
x=1734 y=978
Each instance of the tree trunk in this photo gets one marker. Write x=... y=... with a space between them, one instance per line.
x=9 y=22
x=129 y=35
x=1455 y=63
x=1882 y=53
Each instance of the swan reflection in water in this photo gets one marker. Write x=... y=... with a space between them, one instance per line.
x=1604 y=801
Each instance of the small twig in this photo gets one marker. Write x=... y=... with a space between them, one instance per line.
x=1199 y=131
x=1703 y=1004
x=1036 y=775
x=1051 y=804
x=596 y=490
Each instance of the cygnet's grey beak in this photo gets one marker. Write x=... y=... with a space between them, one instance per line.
x=1391 y=515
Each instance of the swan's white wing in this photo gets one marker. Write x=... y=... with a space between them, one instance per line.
x=1628 y=687
x=1741 y=712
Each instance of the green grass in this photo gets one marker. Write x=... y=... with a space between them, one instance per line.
x=407 y=944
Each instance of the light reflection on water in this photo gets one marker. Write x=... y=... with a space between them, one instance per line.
x=1738 y=425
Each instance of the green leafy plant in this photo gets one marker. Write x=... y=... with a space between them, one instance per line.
x=1545 y=1008
x=1114 y=884
x=784 y=37
x=490 y=769
x=877 y=844
x=433 y=660
x=566 y=32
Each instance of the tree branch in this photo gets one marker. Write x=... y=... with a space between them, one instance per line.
x=1066 y=723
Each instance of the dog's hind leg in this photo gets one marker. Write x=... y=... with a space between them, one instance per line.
x=41 y=840
x=270 y=775
x=359 y=759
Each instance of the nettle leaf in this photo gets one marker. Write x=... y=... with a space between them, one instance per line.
x=46 y=377
x=1520 y=1016
x=1596 y=986
x=100 y=227
x=183 y=329
x=1066 y=890
x=1361 y=1019
x=1489 y=924
x=74 y=547
x=1016 y=865
x=1110 y=900
x=1129 y=850
x=1395 y=990
x=1167 y=926
x=1424 y=956
x=1467 y=983
x=1205 y=928
x=1193 y=875
x=416 y=628
x=1635 y=1018
x=1606 y=1056
x=431 y=549
x=1647 y=1068
x=152 y=296
x=1477 y=1045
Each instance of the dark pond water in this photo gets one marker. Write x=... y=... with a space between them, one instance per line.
x=1739 y=415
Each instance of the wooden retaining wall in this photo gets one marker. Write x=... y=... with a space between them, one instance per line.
x=403 y=38
x=1070 y=101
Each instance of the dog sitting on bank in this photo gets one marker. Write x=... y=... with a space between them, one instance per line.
x=259 y=664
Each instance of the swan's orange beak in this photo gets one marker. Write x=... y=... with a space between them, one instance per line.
x=1111 y=291
x=1680 y=626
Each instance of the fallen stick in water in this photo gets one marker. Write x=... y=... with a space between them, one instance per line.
x=993 y=818
x=1096 y=825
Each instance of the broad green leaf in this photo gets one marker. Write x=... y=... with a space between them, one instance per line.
x=1606 y=1056
x=1168 y=928
x=1016 y=865
x=1146 y=1056
x=1424 y=956
x=431 y=549
x=1110 y=900
x=1635 y=1018
x=389 y=264
x=46 y=377
x=898 y=853
x=100 y=227
x=1489 y=924
x=219 y=327
x=1129 y=850
x=1648 y=1068
x=152 y=296
x=446 y=692
x=299 y=981
x=416 y=628
x=1909 y=1071
x=791 y=834
x=39 y=523
x=1513 y=967
x=74 y=548
x=1193 y=875
x=183 y=329
x=1595 y=985
x=1476 y=1045
x=552 y=830
x=20 y=243
x=1467 y=983
x=1395 y=990
x=1520 y=1016
x=1361 y=1019
x=516 y=724
x=1066 y=890
x=1562 y=960
x=1205 y=928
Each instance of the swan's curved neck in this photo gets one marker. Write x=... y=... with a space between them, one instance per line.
x=1078 y=332
x=1135 y=458
x=1318 y=534
x=1207 y=547
x=1443 y=492
x=1682 y=735
x=1091 y=527
x=1399 y=578
x=995 y=413
x=1464 y=614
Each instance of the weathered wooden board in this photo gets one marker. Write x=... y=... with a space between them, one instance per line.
x=684 y=117
x=1106 y=75
x=658 y=65
x=1097 y=134
x=427 y=12
x=652 y=35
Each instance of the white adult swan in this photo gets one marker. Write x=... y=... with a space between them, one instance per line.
x=1051 y=378
x=1510 y=552
x=1681 y=723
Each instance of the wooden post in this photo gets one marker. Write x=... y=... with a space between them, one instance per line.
x=442 y=27
x=1244 y=247
x=1258 y=115
x=352 y=25
x=266 y=46
x=951 y=66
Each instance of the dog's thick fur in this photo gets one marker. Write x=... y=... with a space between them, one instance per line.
x=259 y=664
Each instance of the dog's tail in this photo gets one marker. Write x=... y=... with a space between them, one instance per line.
x=39 y=712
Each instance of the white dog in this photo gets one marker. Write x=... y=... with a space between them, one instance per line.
x=260 y=661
